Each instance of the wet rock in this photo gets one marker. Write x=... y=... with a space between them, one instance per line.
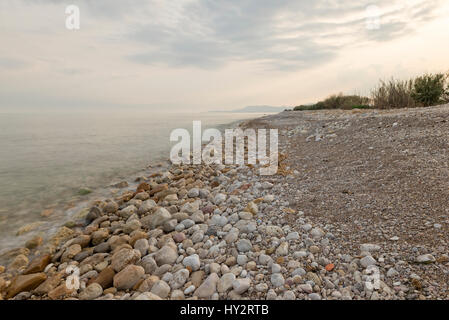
x=83 y=240
x=127 y=211
x=71 y=252
x=158 y=218
x=11 y=254
x=49 y=284
x=103 y=247
x=92 y=292
x=61 y=292
x=34 y=242
x=38 y=264
x=47 y=212
x=23 y=283
x=28 y=228
x=128 y=277
x=131 y=226
x=99 y=236
x=146 y=206
x=110 y=207
x=19 y=262
x=105 y=278
x=94 y=213
x=124 y=257
x=121 y=185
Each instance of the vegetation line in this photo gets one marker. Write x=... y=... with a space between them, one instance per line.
x=423 y=91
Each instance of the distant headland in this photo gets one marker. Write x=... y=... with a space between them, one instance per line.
x=255 y=109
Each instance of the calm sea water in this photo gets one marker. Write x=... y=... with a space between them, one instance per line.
x=46 y=158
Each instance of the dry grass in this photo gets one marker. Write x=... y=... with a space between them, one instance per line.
x=393 y=94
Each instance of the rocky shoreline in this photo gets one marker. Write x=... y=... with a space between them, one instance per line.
x=207 y=232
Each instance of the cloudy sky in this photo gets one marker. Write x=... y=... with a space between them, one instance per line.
x=198 y=55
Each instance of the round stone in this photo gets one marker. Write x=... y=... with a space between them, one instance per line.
x=192 y=261
x=244 y=245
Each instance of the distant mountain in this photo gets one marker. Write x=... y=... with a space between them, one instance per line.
x=256 y=109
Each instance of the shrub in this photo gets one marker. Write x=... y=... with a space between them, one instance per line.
x=426 y=90
x=430 y=89
x=393 y=94
x=337 y=101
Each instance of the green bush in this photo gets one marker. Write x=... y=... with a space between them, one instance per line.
x=337 y=101
x=430 y=89
x=426 y=90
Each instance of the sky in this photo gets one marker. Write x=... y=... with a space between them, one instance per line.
x=201 y=55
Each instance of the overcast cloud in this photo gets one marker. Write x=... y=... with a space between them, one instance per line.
x=213 y=54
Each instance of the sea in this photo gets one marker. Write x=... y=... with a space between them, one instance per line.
x=53 y=164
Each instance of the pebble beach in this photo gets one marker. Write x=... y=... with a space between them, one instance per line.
x=223 y=232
